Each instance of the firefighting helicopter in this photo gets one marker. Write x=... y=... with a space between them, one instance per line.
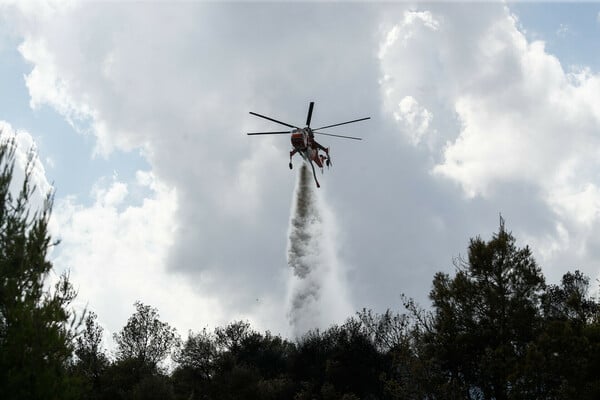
x=303 y=140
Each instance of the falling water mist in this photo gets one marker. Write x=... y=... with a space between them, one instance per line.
x=317 y=291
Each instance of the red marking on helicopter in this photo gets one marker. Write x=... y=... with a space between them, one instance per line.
x=304 y=143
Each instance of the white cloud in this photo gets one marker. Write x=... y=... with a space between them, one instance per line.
x=47 y=87
x=520 y=118
x=531 y=130
x=416 y=119
x=26 y=154
x=411 y=24
x=44 y=84
x=580 y=203
x=112 y=196
x=180 y=93
x=116 y=257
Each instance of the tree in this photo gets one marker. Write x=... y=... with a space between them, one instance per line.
x=142 y=344
x=388 y=331
x=198 y=354
x=404 y=373
x=91 y=362
x=570 y=300
x=563 y=361
x=485 y=317
x=250 y=364
x=145 y=337
x=341 y=361
x=37 y=326
x=196 y=365
x=230 y=338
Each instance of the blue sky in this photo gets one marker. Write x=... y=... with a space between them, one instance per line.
x=59 y=145
x=570 y=30
x=160 y=197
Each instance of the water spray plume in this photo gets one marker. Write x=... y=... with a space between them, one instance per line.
x=317 y=295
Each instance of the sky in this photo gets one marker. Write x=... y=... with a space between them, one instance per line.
x=138 y=113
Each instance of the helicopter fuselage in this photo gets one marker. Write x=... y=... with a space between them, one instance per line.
x=304 y=143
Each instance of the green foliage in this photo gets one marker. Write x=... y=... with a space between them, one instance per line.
x=142 y=344
x=153 y=387
x=494 y=331
x=388 y=331
x=485 y=317
x=570 y=301
x=196 y=361
x=562 y=361
x=124 y=376
x=198 y=355
x=230 y=338
x=145 y=337
x=91 y=362
x=37 y=326
x=234 y=362
x=341 y=360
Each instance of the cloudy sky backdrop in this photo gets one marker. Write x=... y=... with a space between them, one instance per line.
x=138 y=112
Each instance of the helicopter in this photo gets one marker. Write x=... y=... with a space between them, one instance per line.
x=304 y=143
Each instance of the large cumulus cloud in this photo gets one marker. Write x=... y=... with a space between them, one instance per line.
x=520 y=120
x=177 y=82
x=469 y=118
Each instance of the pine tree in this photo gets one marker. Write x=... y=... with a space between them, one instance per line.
x=37 y=326
x=485 y=317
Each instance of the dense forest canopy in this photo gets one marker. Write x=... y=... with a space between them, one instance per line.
x=495 y=330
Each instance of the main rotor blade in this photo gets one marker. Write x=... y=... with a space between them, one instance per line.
x=269 y=133
x=274 y=120
x=309 y=116
x=340 y=136
x=342 y=123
